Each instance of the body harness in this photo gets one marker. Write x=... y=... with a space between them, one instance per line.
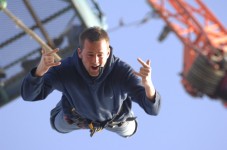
x=94 y=126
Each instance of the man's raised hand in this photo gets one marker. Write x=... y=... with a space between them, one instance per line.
x=145 y=74
x=46 y=62
x=145 y=71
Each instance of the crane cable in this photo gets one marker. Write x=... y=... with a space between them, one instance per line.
x=148 y=16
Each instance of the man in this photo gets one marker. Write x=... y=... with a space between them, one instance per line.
x=97 y=87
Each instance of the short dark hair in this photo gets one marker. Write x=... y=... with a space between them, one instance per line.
x=93 y=34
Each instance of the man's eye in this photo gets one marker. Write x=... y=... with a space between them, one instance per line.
x=90 y=55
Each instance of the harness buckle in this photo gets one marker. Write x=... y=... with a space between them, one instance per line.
x=93 y=129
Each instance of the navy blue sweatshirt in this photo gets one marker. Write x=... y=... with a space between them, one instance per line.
x=97 y=99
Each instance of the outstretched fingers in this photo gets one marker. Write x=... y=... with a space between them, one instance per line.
x=45 y=52
x=145 y=65
x=145 y=69
x=48 y=57
x=47 y=61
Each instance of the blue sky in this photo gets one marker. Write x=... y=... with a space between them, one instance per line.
x=184 y=122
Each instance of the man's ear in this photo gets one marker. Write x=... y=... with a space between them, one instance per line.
x=79 y=52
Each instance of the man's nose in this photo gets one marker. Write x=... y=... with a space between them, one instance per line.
x=96 y=59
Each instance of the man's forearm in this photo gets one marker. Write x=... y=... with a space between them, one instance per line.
x=150 y=90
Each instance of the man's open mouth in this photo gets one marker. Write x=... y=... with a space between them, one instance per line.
x=95 y=67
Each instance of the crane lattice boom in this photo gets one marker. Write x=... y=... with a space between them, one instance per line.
x=205 y=44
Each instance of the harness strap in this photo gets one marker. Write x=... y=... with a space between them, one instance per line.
x=86 y=123
x=94 y=126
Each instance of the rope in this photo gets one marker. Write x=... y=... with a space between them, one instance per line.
x=19 y=35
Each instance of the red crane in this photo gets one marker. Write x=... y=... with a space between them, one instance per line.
x=205 y=45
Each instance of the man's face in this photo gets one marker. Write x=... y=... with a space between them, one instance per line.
x=94 y=55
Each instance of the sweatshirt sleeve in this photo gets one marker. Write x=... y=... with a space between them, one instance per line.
x=36 y=88
x=153 y=107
